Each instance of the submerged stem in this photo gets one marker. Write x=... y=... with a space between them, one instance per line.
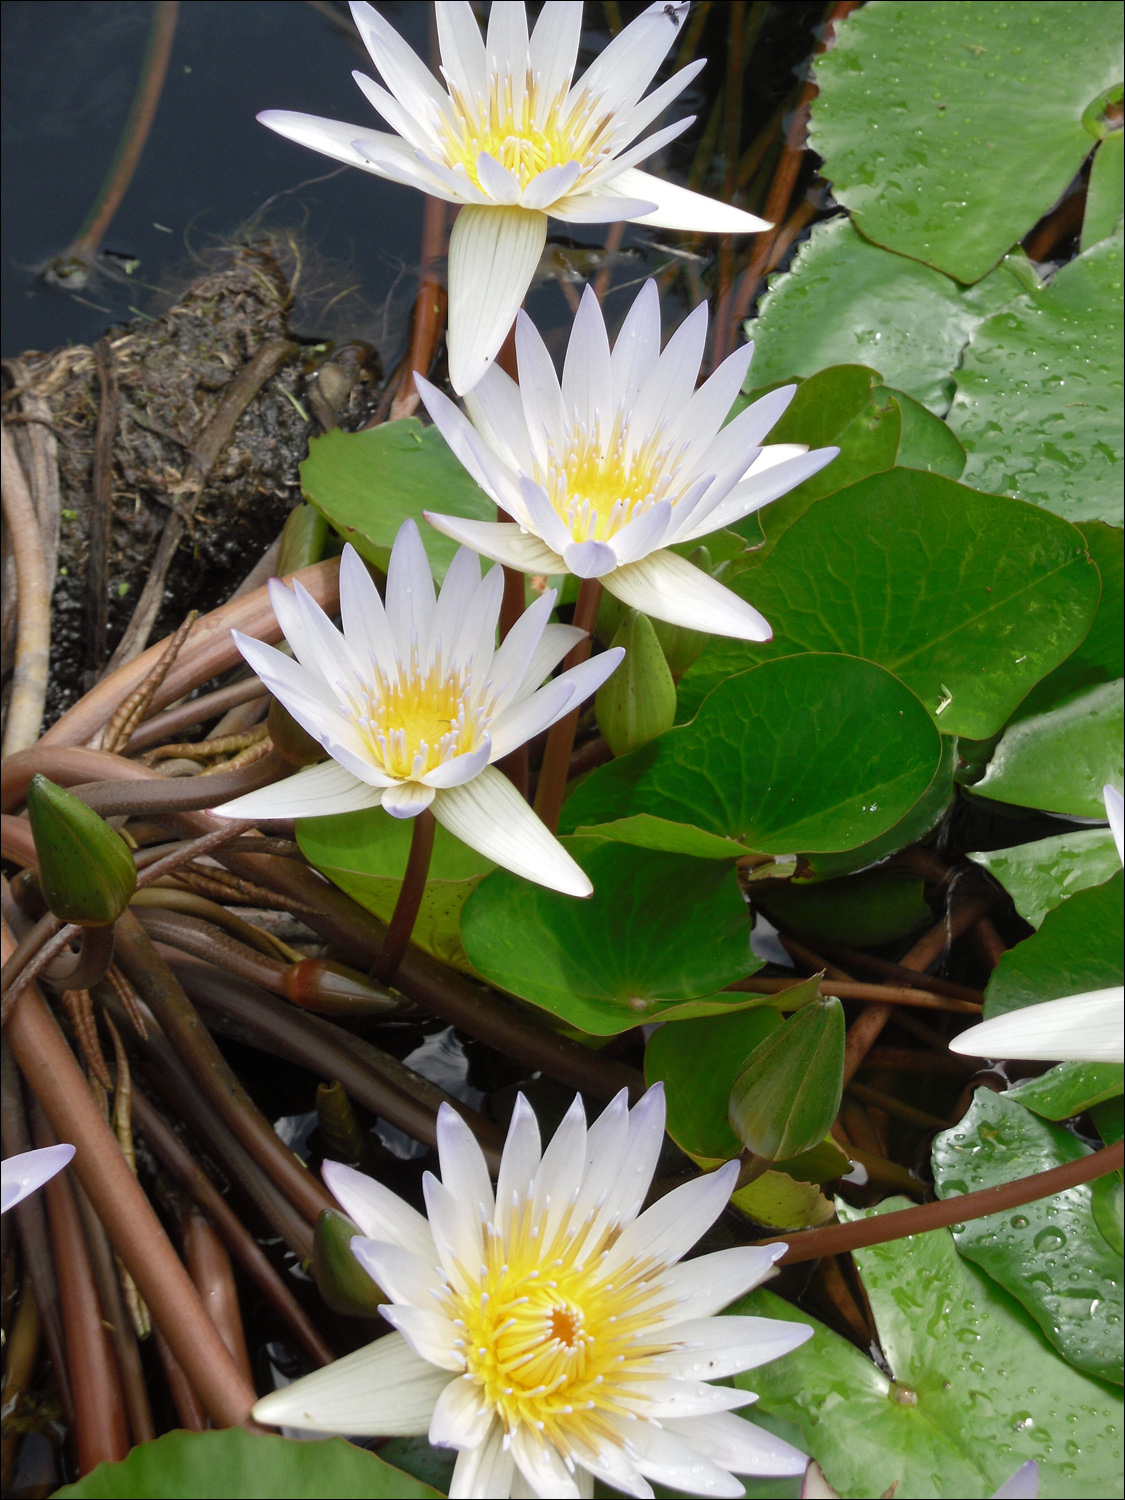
x=409 y=900
x=560 y=740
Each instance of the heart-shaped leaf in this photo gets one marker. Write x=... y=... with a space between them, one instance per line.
x=1078 y=948
x=1049 y=1254
x=1041 y=875
x=1070 y=1089
x=810 y=752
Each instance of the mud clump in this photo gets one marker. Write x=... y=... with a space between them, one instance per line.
x=172 y=375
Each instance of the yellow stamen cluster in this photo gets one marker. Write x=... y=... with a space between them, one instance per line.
x=548 y=1339
x=419 y=719
x=598 y=484
x=526 y=136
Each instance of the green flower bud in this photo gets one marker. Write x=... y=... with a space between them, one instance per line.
x=639 y=701
x=302 y=539
x=342 y=1281
x=683 y=647
x=86 y=871
x=788 y=1093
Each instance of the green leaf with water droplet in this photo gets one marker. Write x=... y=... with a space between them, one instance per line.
x=1069 y=1089
x=1038 y=403
x=948 y=131
x=1077 y=949
x=1105 y=195
x=969 y=599
x=1049 y=1254
x=990 y=1390
x=844 y=300
x=1041 y=875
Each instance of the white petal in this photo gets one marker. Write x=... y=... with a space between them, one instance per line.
x=586 y=385
x=517 y=650
x=670 y=1459
x=507 y=48
x=653 y=105
x=684 y=1397
x=502 y=541
x=1078 y=1028
x=454 y=604
x=408 y=125
x=457 y=1233
x=459 y=433
x=543 y=518
x=519 y=1163
x=599 y=207
x=1115 y=812
x=644 y=1143
x=650 y=145
x=668 y=587
x=637 y=347
x=380 y=1214
x=713 y=1348
x=313 y=704
x=484 y=1472
x=462 y=48
x=622 y=71
x=496 y=409
x=553 y=645
x=405 y=74
x=364 y=619
x=541 y=1466
x=529 y=717
x=547 y=187
x=643 y=534
x=554 y=48
x=671 y=381
x=775 y=478
x=382 y=1389
x=587 y=677
x=463 y=1168
x=316 y=792
x=1022 y=1485
x=540 y=391
x=406 y=799
x=679 y=208
x=740 y=1445
x=389 y=156
x=28 y=1171
x=669 y=1229
x=707 y=410
x=475 y=645
x=399 y=1275
x=461 y=1417
x=460 y=768
x=410 y=592
x=500 y=185
x=589 y=559
x=493 y=253
x=559 y=1176
x=612 y=1466
x=605 y=1147
x=709 y=1283
x=490 y=816
x=283 y=602
x=430 y=1334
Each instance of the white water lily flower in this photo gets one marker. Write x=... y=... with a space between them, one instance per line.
x=414 y=702
x=1078 y=1028
x=25 y=1174
x=513 y=141
x=608 y=470
x=548 y=1332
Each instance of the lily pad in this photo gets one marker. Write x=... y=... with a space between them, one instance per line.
x=1078 y=948
x=1049 y=1254
x=922 y=120
x=844 y=301
x=1070 y=1089
x=1105 y=194
x=1038 y=403
x=926 y=441
x=805 y=752
x=968 y=598
x=1041 y=875
x=366 y=484
x=365 y=854
x=658 y=928
x=1061 y=759
x=974 y=1390
x=231 y=1464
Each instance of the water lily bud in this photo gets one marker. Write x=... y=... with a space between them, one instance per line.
x=293 y=743
x=302 y=539
x=86 y=871
x=332 y=989
x=639 y=701
x=342 y=1281
x=683 y=647
x=788 y=1093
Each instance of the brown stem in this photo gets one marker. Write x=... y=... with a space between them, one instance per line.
x=853 y=958
x=242 y=1245
x=844 y=989
x=372 y=1077
x=514 y=766
x=161 y=726
x=208 y=652
x=100 y=1431
x=429 y=307
x=33 y=604
x=134 y=136
x=57 y=1082
x=207 y=843
x=732 y=129
x=78 y=971
x=209 y=1267
x=31 y=954
x=895 y=1107
x=410 y=894
x=836 y=1239
x=141 y=798
x=560 y=738
x=190 y=1410
x=21 y=1351
x=158 y=986
x=116 y=734
x=118 y=1323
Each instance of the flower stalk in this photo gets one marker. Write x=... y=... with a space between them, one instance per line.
x=560 y=741
x=409 y=900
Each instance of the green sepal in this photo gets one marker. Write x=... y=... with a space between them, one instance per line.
x=86 y=870
x=342 y=1281
x=788 y=1094
x=638 y=701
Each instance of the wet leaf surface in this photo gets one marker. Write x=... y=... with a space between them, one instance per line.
x=1041 y=875
x=1078 y=948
